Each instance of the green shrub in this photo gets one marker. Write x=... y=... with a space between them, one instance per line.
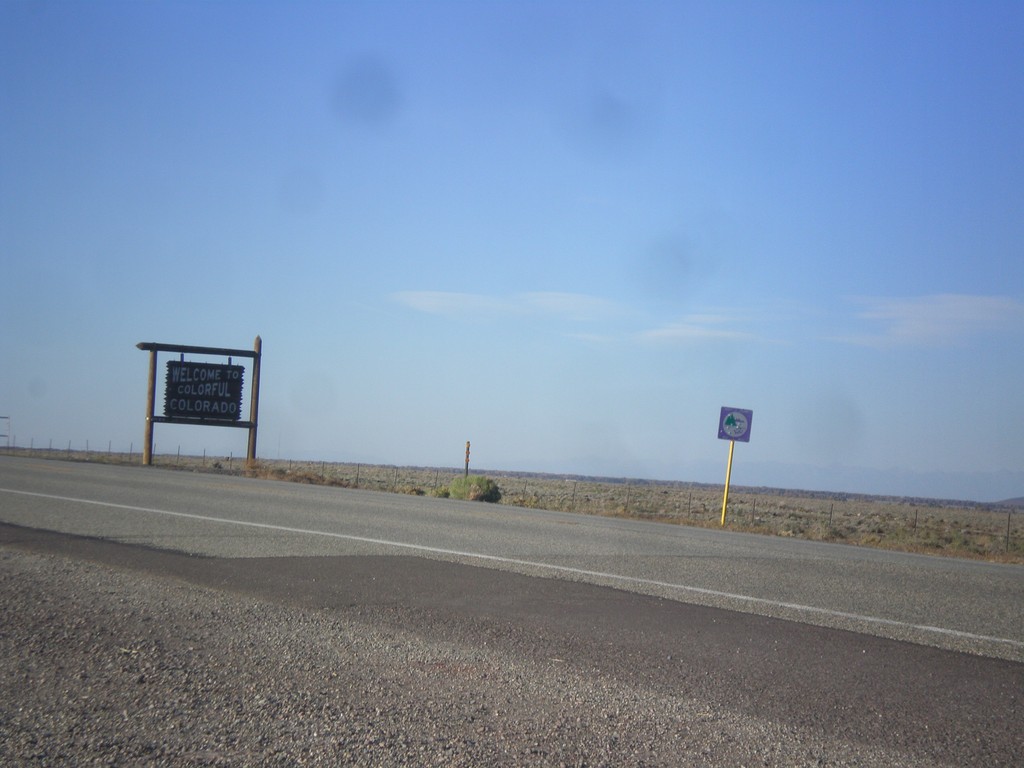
x=474 y=488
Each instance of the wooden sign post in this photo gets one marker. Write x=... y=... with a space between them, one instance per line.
x=207 y=394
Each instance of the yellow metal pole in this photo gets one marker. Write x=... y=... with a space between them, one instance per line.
x=728 y=474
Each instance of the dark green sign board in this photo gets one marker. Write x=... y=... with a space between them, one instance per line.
x=203 y=391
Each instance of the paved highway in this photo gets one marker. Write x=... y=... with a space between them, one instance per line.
x=942 y=602
x=441 y=632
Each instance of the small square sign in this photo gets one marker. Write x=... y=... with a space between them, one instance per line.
x=734 y=424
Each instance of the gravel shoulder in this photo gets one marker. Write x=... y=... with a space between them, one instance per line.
x=119 y=655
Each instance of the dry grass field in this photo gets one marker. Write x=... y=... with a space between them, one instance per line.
x=961 y=529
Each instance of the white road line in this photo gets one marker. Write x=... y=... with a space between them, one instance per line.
x=615 y=577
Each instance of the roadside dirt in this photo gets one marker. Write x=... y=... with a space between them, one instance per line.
x=115 y=654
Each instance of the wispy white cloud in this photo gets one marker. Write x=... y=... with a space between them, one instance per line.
x=577 y=308
x=696 y=328
x=937 y=320
x=572 y=306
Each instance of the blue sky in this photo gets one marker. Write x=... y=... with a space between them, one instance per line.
x=568 y=232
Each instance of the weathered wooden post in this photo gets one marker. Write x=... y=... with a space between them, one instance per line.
x=254 y=405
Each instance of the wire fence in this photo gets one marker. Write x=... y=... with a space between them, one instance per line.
x=900 y=523
x=991 y=531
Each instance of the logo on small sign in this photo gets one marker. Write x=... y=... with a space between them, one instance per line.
x=734 y=424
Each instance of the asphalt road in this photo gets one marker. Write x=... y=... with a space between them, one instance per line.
x=942 y=602
x=912 y=657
